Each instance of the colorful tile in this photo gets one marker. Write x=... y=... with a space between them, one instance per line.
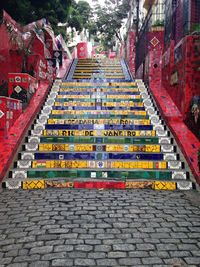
x=34 y=184
x=158 y=185
x=56 y=184
x=137 y=185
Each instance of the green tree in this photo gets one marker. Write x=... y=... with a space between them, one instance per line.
x=79 y=15
x=109 y=20
x=84 y=10
x=26 y=11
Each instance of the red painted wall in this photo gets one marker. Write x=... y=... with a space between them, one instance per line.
x=181 y=72
x=9 y=58
x=10 y=110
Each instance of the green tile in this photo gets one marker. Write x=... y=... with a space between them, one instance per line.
x=133 y=175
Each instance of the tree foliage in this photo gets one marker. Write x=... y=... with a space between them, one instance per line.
x=109 y=20
x=79 y=15
x=26 y=11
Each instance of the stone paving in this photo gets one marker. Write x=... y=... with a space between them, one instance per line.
x=68 y=227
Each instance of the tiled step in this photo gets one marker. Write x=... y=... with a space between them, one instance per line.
x=104 y=164
x=79 y=90
x=97 y=127
x=100 y=184
x=54 y=155
x=98 y=85
x=97 y=116
x=68 y=175
x=98 y=121
x=101 y=140
x=99 y=133
x=160 y=180
x=115 y=147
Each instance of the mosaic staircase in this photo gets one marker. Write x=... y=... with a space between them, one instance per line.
x=99 y=129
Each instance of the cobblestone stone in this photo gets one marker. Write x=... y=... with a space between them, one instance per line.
x=27 y=258
x=79 y=231
x=118 y=254
x=74 y=241
x=130 y=261
x=123 y=247
x=196 y=253
x=41 y=250
x=85 y=262
x=107 y=262
x=96 y=231
x=176 y=262
x=63 y=248
x=145 y=247
x=54 y=242
x=102 y=248
x=83 y=248
x=53 y=256
x=26 y=239
x=192 y=260
x=19 y=234
x=62 y=262
x=47 y=237
x=77 y=254
x=138 y=254
x=112 y=241
x=6 y=260
x=40 y=264
x=11 y=247
x=96 y=255
x=11 y=253
x=151 y=261
x=22 y=264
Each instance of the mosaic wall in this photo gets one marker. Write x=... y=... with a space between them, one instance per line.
x=181 y=76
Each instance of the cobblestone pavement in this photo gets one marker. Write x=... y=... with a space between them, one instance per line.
x=68 y=227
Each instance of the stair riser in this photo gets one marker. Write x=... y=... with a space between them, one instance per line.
x=99 y=174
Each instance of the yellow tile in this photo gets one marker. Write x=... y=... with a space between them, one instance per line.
x=41 y=147
x=127 y=165
x=62 y=165
x=70 y=164
x=48 y=164
x=163 y=165
x=34 y=184
x=34 y=164
x=150 y=165
x=152 y=148
x=58 y=147
x=51 y=121
x=164 y=185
